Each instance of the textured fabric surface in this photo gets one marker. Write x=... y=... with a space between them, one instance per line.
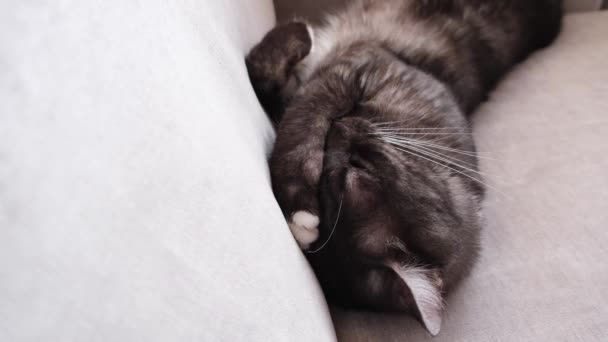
x=135 y=202
x=543 y=274
x=583 y=5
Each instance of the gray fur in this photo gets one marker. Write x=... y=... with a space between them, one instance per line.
x=373 y=76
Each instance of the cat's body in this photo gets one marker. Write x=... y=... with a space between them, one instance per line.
x=373 y=138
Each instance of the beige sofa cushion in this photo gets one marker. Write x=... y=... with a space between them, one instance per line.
x=543 y=274
x=582 y=5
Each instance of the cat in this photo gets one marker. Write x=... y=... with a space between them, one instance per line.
x=374 y=164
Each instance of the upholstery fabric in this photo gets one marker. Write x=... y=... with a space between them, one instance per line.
x=542 y=274
x=135 y=202
x=583 y=5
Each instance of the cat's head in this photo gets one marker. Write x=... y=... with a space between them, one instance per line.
x=405 y=228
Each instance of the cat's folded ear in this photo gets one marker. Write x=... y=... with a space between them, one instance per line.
x=271 y=64
x=425 y=287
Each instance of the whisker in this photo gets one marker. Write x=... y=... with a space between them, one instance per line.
x=332 y=230
x=435 y=138
x=432 y=144
x=445 y=148
x=423 y=133
x=439 y=156
x=384 y=123
x=446 y=158
x=462 y=173
x=422 y=128
x=432 y=151
x=388 y=123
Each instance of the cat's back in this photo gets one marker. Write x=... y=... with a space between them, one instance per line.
x=435 y=26
x=468 y=44
x=371 y=22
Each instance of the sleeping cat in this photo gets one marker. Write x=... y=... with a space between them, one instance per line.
x=374 y=165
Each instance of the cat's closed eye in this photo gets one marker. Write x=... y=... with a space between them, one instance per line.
x=358 y=162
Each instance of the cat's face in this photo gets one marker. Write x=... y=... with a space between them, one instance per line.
x=405 y=228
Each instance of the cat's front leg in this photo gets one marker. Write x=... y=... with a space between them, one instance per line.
x=297 y=160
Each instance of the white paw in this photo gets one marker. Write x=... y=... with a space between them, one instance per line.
x=304 y=227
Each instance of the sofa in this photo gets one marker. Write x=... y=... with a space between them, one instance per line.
x=135 y=200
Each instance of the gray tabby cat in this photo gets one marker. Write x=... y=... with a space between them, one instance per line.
x=373 y=150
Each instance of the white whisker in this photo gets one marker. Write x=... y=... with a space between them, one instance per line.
x=333 y=230
x=434 y=138
x=441 y=147
x=462 y=173
x=445 y=158
x=423 y=128
x=421 y=133
x=432 y=144
x=389 y=123
x=432 y=151
x=438 y=156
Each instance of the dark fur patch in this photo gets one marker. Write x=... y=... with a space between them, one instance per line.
x=270 y=65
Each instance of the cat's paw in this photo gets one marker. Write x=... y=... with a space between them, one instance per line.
x=305 y=228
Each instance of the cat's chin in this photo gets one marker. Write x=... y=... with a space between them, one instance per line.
x=304 y=227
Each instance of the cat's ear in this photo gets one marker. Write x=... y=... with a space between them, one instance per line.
x=425 y=286
x=271 y=65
